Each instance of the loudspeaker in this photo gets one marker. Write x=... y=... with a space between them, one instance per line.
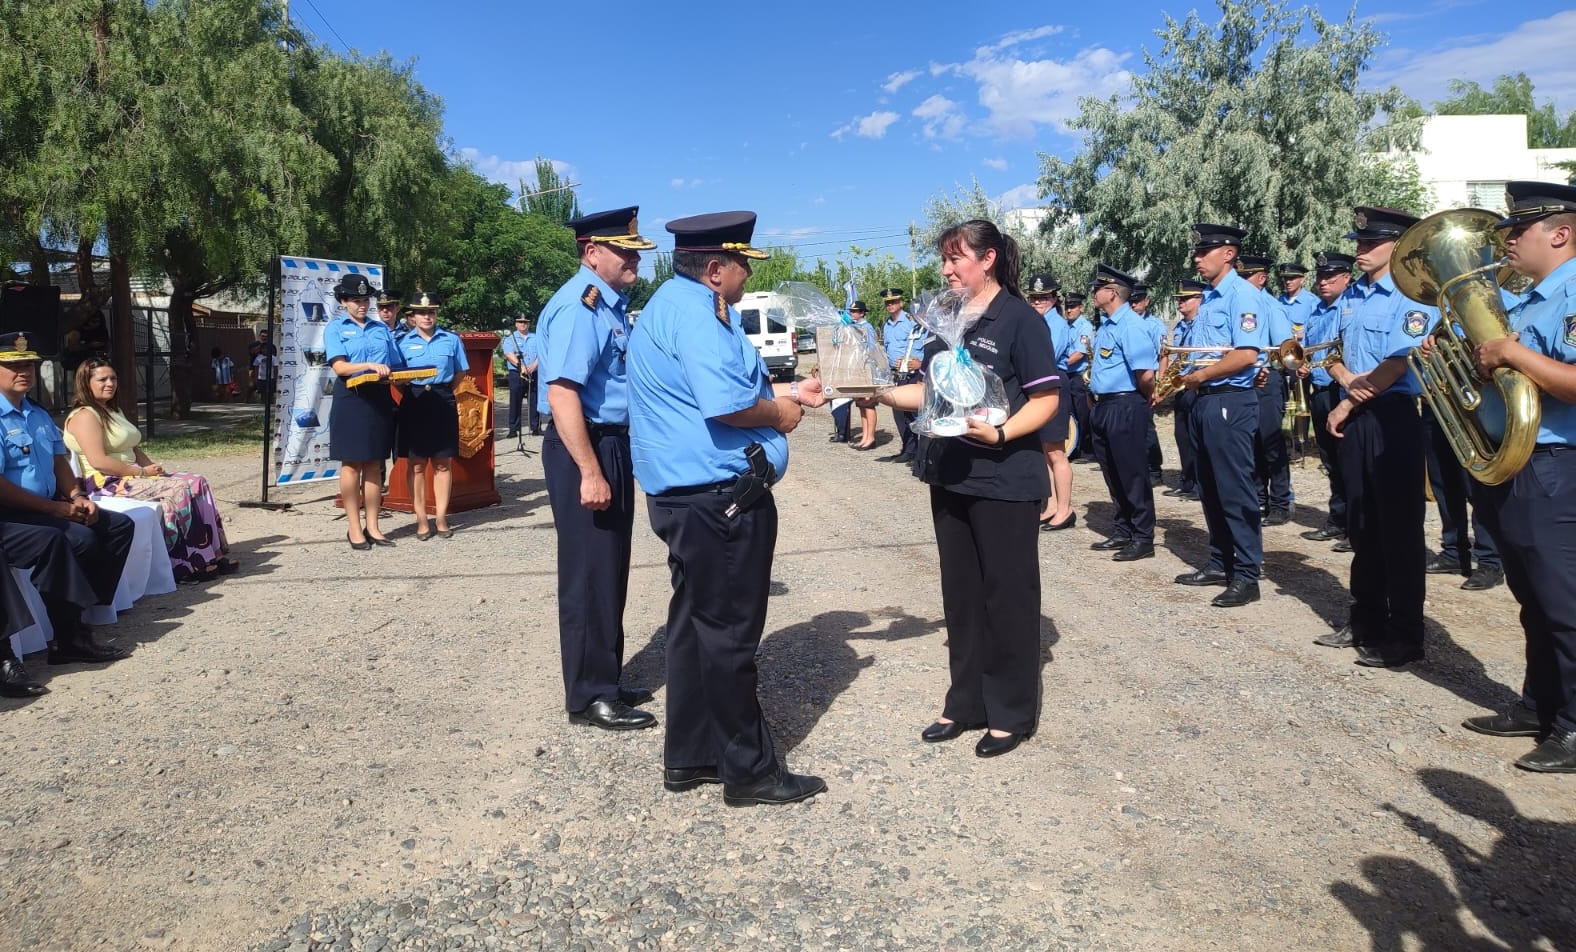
x=34 y=311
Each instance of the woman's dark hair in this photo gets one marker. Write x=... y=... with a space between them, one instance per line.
x=980 y=236
x=82 y=394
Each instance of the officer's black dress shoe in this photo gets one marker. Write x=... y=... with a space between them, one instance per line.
x=992 y=746
x=1557 y=754
x=1237 y=594
x=834 y=438
x=947 y=730
x=1442 y=564
x=680 y=779
x=635 y=697
x=1175 y=491
x=1345 y=545
x=79 y=648
x=1111 y=544
x=1277 y=517
x=613 y=716
x=1484 y=578
x=1371 y=657
x=1514 y=721
x=16 y=682
x=1203 y=577
x=1324 y=534
x=781 y=787
x=512 y=434
x=1193 y=496
x=1134 y=552
x=1341 y=638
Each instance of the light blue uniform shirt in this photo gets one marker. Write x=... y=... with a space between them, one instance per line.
x=1232 y=316
x=368 y=343
x=1383 y=323
x=686 y=368
x=582 y=341
x=1279 y=324
x=32 y=441
x=1299 y=309
x=522 y=344
x=1324 y=324
x=1124 y=345
x=1156 y=326
x=1181 y=333
x=1080 y=340
x=902 y=337
x=1546 y=320
x=1061 y=334
x=445 y=351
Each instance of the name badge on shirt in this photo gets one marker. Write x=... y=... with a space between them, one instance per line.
x=1415 y=322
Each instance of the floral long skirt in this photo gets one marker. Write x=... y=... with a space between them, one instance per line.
x=193 y=528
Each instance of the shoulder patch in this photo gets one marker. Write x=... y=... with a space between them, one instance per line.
x=1570 y=330
x=1414 y=323
x=721 y=307
x=1250 y=322
x=590 y=297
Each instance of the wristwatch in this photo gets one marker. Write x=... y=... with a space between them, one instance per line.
x=1001 y=435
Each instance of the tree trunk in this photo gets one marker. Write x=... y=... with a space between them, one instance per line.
x=122 y=333
x=183 y=344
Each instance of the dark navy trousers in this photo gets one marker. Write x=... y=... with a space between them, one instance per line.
x=593 y=567
x=1382 y=463
x=1321 y=401
x=908 y=440
x=1076 y=390
x=522 y=391
x=1453 y=489
x=1187 y=446
x=1224 y=425
x=73 y=566
x=1533 y=516
x=1118 y=429
x=721 y=570
x=1270 y=456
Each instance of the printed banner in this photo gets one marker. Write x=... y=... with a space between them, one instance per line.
x=304 y=379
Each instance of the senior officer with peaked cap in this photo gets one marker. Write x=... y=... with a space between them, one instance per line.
x=583 y=334
x=1381 y=449
x=1533 y=513
x=74 y=550
x=1126 y=356
x=1226 y=416
x=709 y=439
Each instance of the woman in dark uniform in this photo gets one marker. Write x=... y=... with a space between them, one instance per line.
x=986 y=490
x=361 y=423
x=429 y=422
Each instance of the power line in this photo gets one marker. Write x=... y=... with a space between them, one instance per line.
x=330 y=26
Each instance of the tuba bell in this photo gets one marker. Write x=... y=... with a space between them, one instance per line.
x=1454 y=259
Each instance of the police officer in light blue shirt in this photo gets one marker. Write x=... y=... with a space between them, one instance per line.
x=1332 y=277
x=520 y=359
x=710 y=437
x=1043 y=292
x=361 y=419
x=1126 y=356
x=1272 y=457
x=1533 y=513
x=1381 y=450
x=583 y=385
x=1190 y=295
x=1156 y=326
x=1074 y=361
x=429 y=419
x=1298 y=302
x=904 y=341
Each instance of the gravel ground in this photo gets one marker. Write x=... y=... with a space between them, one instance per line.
x=367 y=750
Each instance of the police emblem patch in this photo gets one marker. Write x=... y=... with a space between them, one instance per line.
x=1250 y=322
x=1570 y=329
x=1414 y=324
x=1361 y=221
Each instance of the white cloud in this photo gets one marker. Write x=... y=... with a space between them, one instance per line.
x=1539 y=48
x=1020 y=196
x=873 y=126
x=1020 y=94
x=942 y=118
x=999 y=165
x=681 y=182
x=512 y=172
x=790 y=232
x=1014 y=39
x=898 y=80
x=676 y=183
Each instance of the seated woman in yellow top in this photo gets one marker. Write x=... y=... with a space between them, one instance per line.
x=105 y=443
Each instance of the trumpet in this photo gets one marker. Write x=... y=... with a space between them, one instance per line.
x=1288 y=356
x=1179 y=362
x=1332 y=355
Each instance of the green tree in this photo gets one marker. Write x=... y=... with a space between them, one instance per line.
x=552 y=198
x=1512 y=95
x=1258 y=120
x=1050 y=245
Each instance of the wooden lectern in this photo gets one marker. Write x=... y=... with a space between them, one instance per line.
x=474 y=485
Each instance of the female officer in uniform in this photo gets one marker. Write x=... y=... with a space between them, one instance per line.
x=428 y=418
x=986 y=491
x=361 y=423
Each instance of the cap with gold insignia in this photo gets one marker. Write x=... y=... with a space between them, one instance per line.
x=888 y=295
x=1530 y=201
x=718 y=231
x=1040 y=285
x=1291 y=269
x=619 y=228
x=424 y=301
x=1213 y=236
x=389 y=296
x=1252 y=264
x=1379 y=224
x=15 y=349
x=353 y=286
x=1187 y=288
x=1105 y=274
x=1333 y=262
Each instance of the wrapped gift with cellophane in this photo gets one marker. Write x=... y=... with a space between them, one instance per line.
x=850 y=362
x=956 y=385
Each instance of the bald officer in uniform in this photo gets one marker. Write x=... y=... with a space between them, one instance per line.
x=583 y=334
x=1332 y=276
x=710 y=439
x=1226 y=417
x=1381 y=449
x=1126 y=356
x=1533 y=515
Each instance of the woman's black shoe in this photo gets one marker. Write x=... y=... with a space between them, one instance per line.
x=940 y=731
x=1047 y=525
x=358 y=546
x=992 y=746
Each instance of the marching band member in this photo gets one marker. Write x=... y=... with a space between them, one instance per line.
x=1226 y=417
x=1298 y=302
x=429 y=420
x=1381 y=450
x=1332 y=276
x=1532 y=514
x=361 y=421
x=1270 y=455
x=1042 y=291
x=1126 y=356
x=1156 y=326
x=1190 y=294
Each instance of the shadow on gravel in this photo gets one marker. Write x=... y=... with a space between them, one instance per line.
x=648 y=667
x=806 y=667
x=1518 y=890
x=1292 y=574
x=1457 y=670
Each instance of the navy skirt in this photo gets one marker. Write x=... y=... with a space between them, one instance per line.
x=429 y=423
x=361 y=423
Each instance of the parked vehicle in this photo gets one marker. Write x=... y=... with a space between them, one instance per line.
x=766 y=324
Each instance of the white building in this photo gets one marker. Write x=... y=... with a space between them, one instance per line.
x=1465 y=161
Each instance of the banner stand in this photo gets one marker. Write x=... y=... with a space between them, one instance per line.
x=268 y=411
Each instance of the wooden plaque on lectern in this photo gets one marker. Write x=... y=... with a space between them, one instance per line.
x=474 y=484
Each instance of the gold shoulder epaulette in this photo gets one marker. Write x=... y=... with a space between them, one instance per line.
x=591 y=297
x=722 y=309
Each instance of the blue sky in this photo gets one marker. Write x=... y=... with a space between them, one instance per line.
x=836 y=122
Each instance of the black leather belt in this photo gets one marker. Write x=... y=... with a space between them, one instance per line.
x=1102 y=397
x=1222 y=388
x=721 y=487
x=1551 y=448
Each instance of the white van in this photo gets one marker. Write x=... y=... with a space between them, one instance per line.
x=766 y=323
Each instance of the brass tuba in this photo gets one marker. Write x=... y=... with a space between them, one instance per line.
x=1452 y=259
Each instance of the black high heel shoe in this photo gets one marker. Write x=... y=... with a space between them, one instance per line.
x=361 y=546
x=940 y=731
x=992 y=746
